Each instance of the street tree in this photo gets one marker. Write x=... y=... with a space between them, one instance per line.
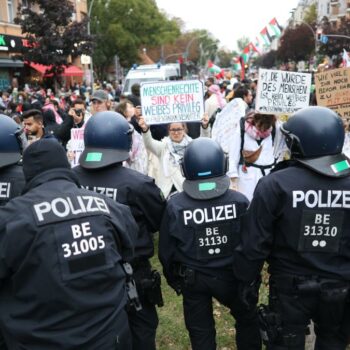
x=52 y=37
x=123 y=28
x=267 y=60
x=310 y=15
x=242 y=43
x=225 y=58
x=296 y=44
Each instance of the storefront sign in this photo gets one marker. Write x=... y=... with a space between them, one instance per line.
x=10 y=43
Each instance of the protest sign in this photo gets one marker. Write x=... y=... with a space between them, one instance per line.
x=172 y=101
x=75 y=146
x=333 y=90
x=282 y=92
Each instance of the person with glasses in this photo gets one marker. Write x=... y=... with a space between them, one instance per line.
x=169 y=152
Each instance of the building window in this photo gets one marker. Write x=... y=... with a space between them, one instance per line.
x=10 y=11
x=328 y=8
x=25 y=3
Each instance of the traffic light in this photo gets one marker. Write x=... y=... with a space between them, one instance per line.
x=319 y=35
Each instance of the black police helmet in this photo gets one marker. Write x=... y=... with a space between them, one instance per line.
x=108 y=140
x=315 y=137
x=204 y=167
x=10 y=143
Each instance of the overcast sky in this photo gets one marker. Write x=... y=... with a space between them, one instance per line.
x=229 y=20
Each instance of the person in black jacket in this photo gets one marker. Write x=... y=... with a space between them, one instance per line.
x=11 y=174
x=299 y=222
x=62 y=284
x=107 y=139
x=199 y=231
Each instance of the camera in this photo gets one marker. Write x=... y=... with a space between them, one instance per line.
x=78 y=112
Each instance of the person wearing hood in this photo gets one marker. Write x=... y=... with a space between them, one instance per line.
x=11 y=174
x=62 y=249
x=199 y=231
x=299 y=223
x=215 y=100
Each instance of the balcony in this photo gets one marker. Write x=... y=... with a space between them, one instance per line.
x=335 y=3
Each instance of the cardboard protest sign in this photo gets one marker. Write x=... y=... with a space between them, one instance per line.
x=76 y=146
x=172 y=101
x=333 y=90
x=282 y=92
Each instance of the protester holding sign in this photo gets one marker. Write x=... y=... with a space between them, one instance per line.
x=170 y=151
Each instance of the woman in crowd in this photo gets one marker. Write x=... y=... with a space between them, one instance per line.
x=138 y=159
x=169 y=152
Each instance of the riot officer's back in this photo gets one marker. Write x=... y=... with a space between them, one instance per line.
x=298 y=222
x=108 y=138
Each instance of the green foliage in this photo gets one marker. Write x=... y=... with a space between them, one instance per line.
x=267 y=60
x=242 y=43
x=51 y=33
x=225 y=58
x=310 y=15
x=123 y=27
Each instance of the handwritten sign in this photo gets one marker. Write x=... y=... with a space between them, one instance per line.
x=333 y=90
x=282 y=92
x=172 y=102
x=75 y=146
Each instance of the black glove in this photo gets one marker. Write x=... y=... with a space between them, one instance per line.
x=248 y=292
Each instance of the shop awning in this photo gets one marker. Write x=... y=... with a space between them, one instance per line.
x=8 y=62
x=71 y=71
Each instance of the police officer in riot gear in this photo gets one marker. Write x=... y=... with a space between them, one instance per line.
x=299 y=222
x=11 y=174
x=62 y=285
x=108 y=138
x=200 y=228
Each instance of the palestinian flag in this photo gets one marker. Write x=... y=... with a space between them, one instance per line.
x=252 y=48
x=237 y=64
x=213 y=68
x=266 y=36
x=276 y=29
x=246 y=54
x=258 y=46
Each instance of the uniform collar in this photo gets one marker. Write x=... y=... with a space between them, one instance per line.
x=51 y=175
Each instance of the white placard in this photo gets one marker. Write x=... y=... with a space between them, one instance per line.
x=84 y=59
x=76 y=145
x=282 y=92
x=172 y=101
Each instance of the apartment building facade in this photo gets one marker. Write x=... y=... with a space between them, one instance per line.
x=11 y=42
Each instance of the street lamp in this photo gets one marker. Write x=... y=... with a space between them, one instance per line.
x=190 y=43
x=172 y=55
x=89 y=33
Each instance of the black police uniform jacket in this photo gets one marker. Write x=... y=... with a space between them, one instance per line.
x=299 y=221
x=61 y=282
x=201 y=234
x=134 y=189
x=11 y=182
